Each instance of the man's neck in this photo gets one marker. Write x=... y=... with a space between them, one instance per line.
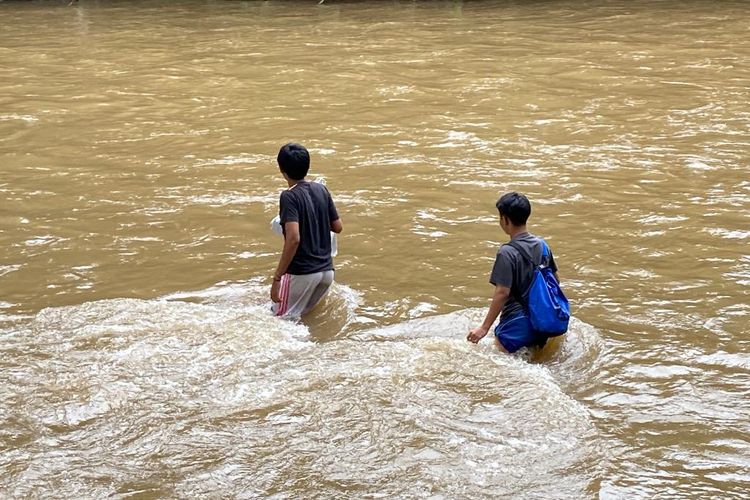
x=293 y=182
x=516 y=230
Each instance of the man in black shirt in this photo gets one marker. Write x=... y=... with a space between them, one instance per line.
x=308 y=215
x=512 y=276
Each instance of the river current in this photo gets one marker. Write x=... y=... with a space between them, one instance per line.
x=138 y=177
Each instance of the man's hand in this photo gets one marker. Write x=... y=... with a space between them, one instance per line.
x=275 y=288
x=477 y=334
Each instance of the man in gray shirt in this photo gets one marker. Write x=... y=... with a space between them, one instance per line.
x=307 y=215
x=512 y=275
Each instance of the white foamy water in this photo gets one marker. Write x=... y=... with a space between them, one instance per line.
x=217 y=397
x=138 y=144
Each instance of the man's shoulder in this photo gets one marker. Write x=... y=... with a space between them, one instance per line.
x=286 y=197
x=528 y=242
x=318 y=188
x=508 y=251
x=295 y=192
x=508 y=254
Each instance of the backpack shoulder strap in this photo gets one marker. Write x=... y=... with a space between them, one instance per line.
x=520 y=295
x=524 y=253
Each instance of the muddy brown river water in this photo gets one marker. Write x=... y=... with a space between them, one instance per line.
x=138 y=179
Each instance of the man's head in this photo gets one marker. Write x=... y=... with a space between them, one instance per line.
x=294 y=161
x=514 y=209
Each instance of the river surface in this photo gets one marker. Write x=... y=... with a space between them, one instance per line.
x=138 y=179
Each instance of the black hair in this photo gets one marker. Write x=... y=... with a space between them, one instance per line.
x=515 y=207
x=294 y=160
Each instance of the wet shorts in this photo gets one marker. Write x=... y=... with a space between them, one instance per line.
x=515 y=332
x=301 y=292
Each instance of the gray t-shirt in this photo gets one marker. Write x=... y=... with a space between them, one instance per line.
x=310 y=204
x=515 y=272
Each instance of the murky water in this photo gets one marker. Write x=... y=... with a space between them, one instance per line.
x=138 y=177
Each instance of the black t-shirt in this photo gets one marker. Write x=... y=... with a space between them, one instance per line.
x=310 y=204
x=515 y=272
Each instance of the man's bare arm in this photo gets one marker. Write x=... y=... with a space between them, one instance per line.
x=499 y=298
x=291 y=243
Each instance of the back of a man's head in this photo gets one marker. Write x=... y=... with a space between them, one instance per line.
x=515 y=206
x=294 y=160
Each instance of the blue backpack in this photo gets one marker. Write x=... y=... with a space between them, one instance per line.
x=544 y=301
